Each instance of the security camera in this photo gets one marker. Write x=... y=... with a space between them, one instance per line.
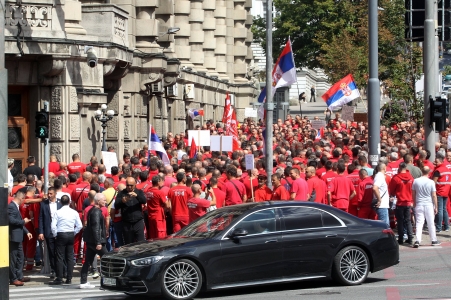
x=91 y=56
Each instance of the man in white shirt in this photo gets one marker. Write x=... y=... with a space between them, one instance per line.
x=425 y=204
x=380 y=190
x=66 y=224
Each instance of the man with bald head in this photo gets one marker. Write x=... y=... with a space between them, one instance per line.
x=130 y=201
x=316 y=187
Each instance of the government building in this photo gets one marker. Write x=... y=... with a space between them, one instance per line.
x=148 y=60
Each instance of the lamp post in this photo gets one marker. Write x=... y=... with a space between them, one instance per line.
x=103 y=115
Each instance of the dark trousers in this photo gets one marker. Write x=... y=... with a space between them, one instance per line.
x=118 y=230
x=91 y=252
x=312 y=97
x=51 y=248
x=64 y=254
x=16 y=261
x=402 y=214
x=133 y=232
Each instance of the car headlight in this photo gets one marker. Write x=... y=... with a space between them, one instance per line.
x=146 y=261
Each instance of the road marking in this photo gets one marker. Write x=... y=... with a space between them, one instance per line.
x=392 y=293
x=389 y=273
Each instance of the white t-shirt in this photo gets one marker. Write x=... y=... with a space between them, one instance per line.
x=424 y=188
x=379 y=181
x=53 y=208
x=61 y=194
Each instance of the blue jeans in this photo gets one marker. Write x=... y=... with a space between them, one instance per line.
x=382 y=215
x=442 y=215
x=111 y=238
x=118 y=232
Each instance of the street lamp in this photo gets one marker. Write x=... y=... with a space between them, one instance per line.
x=103 y=115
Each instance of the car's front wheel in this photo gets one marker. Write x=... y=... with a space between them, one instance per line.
x=182 y=279
x=351 y=266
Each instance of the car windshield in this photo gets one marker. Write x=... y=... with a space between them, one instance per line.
x=214 y=222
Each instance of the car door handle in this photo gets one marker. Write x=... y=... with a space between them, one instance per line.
x=331 y=235
x=271 y=241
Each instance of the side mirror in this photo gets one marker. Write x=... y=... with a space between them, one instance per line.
x=237 y=232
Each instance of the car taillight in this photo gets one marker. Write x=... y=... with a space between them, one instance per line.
x=388 y=231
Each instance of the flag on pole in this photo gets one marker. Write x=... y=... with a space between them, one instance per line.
x=193 y=149
x=232 y=129
x=283 y=74
x=227 y=109
x=193 y=113
x=342 y=92
x=155 y=145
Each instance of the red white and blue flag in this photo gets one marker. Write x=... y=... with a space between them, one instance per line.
x=342 y=92
x=195 y=113
x=155 y=145
x=283 y=74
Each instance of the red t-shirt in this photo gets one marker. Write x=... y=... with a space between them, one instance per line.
x=340 y=188
x=220 y=197
x=300 y=188
x=234 y=192
x=247 y=185
x=156 y=201
x=262 y=194
x=319 y=186
x=76 y=166
x=365 y=194
x=355 y=179
x=320 y=172
x=280 y=193
x=168 y=181
x=79 y=193
x=328 y=176
x=54 y=167
x=179 y=196
x=197 y=208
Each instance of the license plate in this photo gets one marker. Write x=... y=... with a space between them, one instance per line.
x=109 y=281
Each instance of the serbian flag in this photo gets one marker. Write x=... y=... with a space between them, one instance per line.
x=319 y=134
x=193 y=149
x=227 y=109
x=155 y=145
x=283 y=74
x=195 y=113
x=342 y=92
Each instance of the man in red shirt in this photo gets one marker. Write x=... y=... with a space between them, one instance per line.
x=365 y=196
x=169 y=178
x=299 y=188
x=179 y=196
x=353 y=175
x=321 y=171
x=79 y=193
x=316 y=186
x=198 y=206
x=157 y=202
x=340 y=190
x=234 y=189
x=76 y=165
x=279 y=191
x=249 y=181
x=220 y=195
x=263 y=193
x=330 y=174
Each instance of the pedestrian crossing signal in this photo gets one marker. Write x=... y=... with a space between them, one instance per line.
x=42 y=124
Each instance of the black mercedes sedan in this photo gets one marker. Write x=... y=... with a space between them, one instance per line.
x=253 y=244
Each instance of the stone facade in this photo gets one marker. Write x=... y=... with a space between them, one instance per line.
x=142 y=72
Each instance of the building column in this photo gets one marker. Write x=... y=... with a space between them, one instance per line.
x=249 y=35
x=147 y=27
x=229 y=39
x=240 y=35
x=181 y=39
x=72 y=18
x=209 y=46
x=196 y=39
x=220 y=35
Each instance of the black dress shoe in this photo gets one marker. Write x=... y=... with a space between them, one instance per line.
x=56 y=282
x=68 y=281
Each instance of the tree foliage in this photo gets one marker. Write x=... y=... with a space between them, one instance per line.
x=333 y=35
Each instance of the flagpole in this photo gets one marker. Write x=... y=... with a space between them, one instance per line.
x=269 y=101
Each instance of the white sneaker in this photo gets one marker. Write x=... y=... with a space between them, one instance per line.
x=87 y=285
x=95 y=275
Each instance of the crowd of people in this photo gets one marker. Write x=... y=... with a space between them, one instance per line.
x=89 y=210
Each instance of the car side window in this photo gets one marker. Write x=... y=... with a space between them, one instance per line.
x=301 y=218
x=329 y=220
x=263 y=221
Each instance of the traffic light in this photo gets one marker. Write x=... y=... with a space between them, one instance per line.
x=437 y=110
x=42 y=124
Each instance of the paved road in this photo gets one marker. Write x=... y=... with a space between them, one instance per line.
x=423 y=273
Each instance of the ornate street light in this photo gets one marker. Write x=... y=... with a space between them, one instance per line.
x=102 y=115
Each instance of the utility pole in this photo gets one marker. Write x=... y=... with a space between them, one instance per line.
x=374 y=92
x=4 y=229
x=430 y=75
x=269 y=101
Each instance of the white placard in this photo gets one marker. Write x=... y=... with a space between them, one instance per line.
x=201 y=137
x=249 y=158
x=347 y=113
x=109 y=160
x=221 y=143
x=449 y=141
x=250 y=112
x=317 y=124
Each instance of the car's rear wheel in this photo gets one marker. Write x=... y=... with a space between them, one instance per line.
x=351 y=266
x=182 y=279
